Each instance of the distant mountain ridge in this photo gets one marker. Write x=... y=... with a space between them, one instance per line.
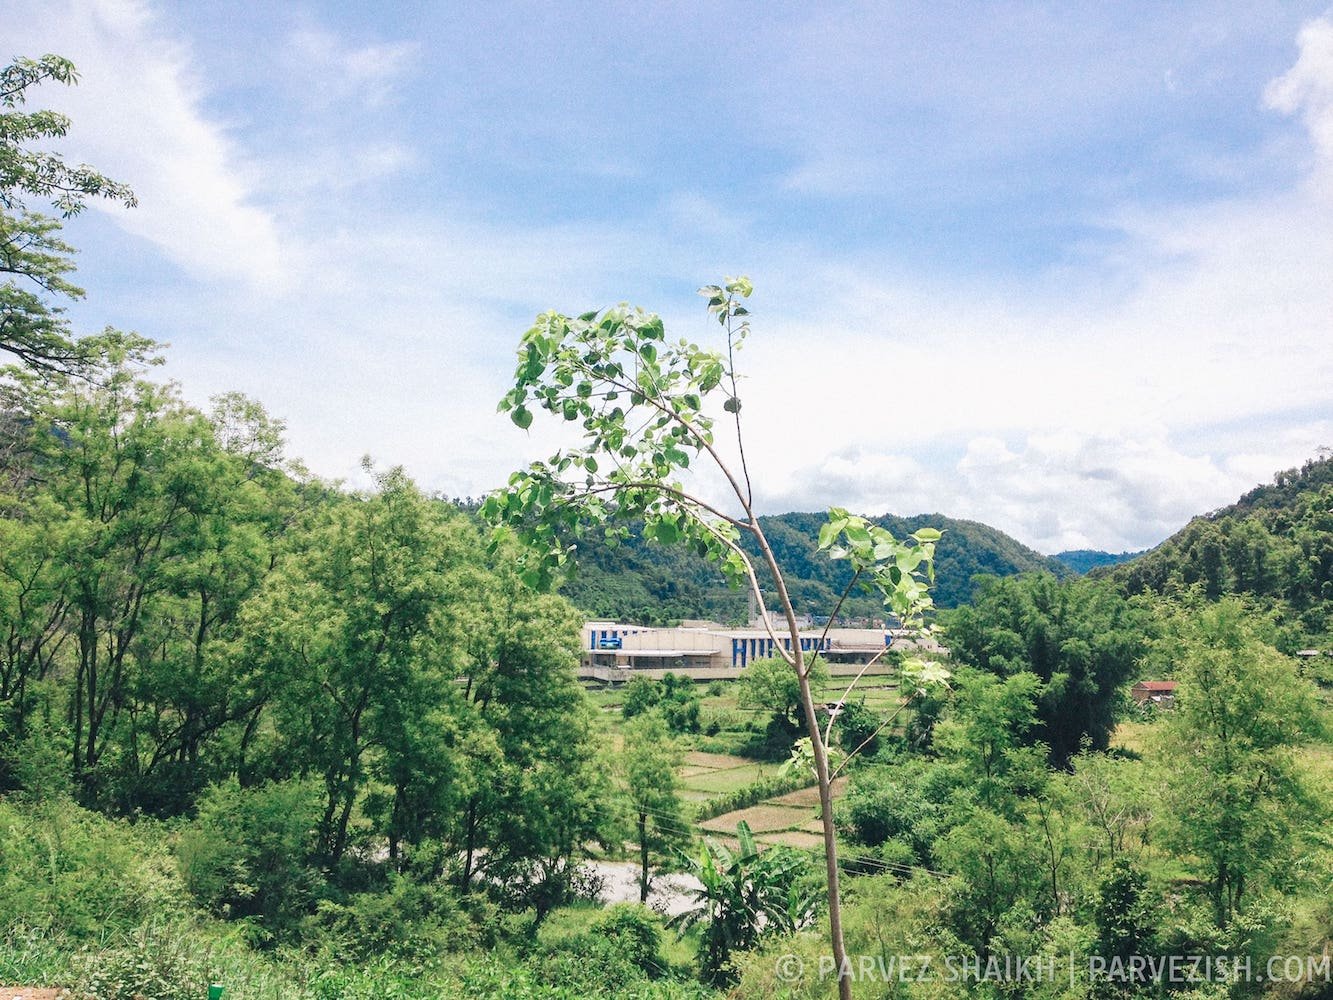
x=648 y=582
x=1085 y=560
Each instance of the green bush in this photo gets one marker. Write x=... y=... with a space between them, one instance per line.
x=410 y=920
x=152 y=963
x=586 y=964
x=65 y=868
x=249 y=853
x=634 y=931
x=891 y=805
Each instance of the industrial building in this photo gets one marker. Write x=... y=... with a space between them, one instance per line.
x=612 y=650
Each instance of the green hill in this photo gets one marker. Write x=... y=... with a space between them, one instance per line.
x=642 y=581
x=1274 y=544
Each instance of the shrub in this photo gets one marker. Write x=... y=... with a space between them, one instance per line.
x=585 y=963
x=152 y=964
x=634 y=931
x=64 y=867
x=409 y=920
x=249 y=853
x=890 y=805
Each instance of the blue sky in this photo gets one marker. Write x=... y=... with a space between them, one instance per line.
x=1063 y=268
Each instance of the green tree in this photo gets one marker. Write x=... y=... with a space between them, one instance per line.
x=650 y=760
x=1124 y=913
x=34 y=260
x=540 y=791
x=1236 y=793
x=34 y=604
x=647 y=409
x=138 y=495
x=769 y=685
x=355 y=625
x=744 y=896
x=1080 y=638
x=642 y=694
x=990 y=842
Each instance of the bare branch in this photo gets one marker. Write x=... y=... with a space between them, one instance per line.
x=882 y=726
x=866 y=666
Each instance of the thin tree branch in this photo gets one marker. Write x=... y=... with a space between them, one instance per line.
x=867 y=665
x=882 y=726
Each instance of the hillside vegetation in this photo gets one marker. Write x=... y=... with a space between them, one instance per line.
x=643 y=581
x=1275 y=544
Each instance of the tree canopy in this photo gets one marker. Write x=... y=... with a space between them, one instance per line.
x=34 y=261
x=1080 y=639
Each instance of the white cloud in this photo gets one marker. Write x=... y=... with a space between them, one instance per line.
x=138 y=118
x=1060 y=489
x=366 y=75
x=1098 y=404
x=1102 y=403
x=1308 y=86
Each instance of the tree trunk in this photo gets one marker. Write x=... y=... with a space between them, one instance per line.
x=820 y=753
x=826 y=819
x=643 y=855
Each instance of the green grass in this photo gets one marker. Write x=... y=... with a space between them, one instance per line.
x=728 y=780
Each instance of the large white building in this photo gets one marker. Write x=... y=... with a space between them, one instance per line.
x=611 y=648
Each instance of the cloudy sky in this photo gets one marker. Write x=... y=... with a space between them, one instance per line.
x=1064 y=268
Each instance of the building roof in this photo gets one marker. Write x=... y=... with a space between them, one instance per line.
x=1156 y=685
x=656 y=652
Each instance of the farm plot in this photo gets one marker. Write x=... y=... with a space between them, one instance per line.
x=762 y=819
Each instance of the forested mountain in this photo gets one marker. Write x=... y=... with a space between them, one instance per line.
x=643 y=581
x=1086 y=560
x=1274 y=544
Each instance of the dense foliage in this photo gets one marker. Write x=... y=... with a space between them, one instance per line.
x=1275 y=544
x=644 y=582
x=1081 y=640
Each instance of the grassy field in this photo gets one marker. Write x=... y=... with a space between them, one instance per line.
x=792 y=818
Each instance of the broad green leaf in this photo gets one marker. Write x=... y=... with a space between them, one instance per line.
x=827 y=535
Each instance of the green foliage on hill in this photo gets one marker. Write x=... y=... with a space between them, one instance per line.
x=1275 y=544
x=640 y=581
x=1080 y=639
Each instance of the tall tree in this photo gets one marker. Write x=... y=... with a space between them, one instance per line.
x=651 y=759
x=1236 y=791
x=34 y=260
x=1080 y=638
x=769 y=685
x=355 y=622
x=643 y=405
x=541 y=793
x=134 y=474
